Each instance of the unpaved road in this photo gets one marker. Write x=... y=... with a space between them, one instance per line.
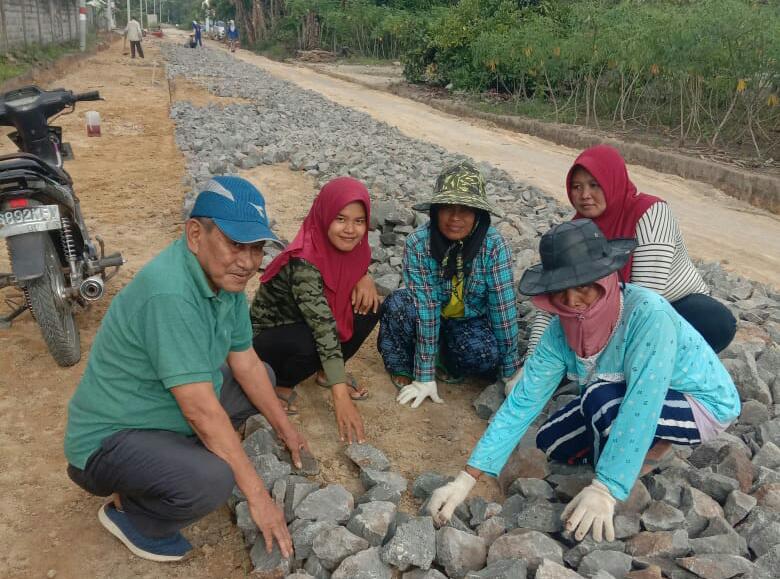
x=716 y=227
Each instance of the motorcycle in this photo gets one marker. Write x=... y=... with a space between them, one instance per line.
x=53 y=259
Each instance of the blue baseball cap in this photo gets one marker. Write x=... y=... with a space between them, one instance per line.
x=237 y=208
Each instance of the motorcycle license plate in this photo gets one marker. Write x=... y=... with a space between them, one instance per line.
x=29 y=220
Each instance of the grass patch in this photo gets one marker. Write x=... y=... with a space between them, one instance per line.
x=21 y=60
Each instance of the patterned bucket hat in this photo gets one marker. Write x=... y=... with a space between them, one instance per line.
x=461 y=184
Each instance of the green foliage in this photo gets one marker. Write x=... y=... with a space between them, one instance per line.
x=18 y=61
x=704 y=70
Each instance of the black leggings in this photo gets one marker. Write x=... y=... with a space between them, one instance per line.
x=291 y=351
x=709 y=317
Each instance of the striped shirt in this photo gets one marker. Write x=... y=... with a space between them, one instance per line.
x=661 y=263
x=489 y=292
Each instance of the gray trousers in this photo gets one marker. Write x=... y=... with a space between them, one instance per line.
x=165 y=480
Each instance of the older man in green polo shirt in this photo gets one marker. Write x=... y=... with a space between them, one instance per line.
x=171 y=374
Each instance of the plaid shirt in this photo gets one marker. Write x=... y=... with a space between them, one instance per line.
x=489 y=291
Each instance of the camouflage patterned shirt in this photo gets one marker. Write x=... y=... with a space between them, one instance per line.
x=294 y=295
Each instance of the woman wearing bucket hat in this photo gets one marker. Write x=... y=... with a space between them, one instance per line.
x=317 y=303
x=457 y=315
x=646 y=379
x=600 y=189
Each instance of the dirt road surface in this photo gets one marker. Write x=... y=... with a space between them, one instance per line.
x=129 y=182
x=716 y=227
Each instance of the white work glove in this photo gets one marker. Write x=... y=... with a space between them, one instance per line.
x=593 y=506
x=510 y=383
x=419 y=391
x=446 y=499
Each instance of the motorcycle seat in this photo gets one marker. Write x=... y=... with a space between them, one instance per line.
x=28 y=162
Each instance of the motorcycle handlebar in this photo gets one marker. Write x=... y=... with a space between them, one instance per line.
x=92 y=95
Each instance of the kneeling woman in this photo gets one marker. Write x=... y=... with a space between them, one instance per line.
x=647 y=379
x=317 y=304
x=457 y=315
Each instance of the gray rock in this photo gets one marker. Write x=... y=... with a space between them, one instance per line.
x=717 y=486
x=490 y=400
x=315 y=567
x=300 y=575
x=370 y=477
x=626 y=525
x=531 y=488
x=552 y=570
x=459 y=552
x=540 y=515
x=769 y=430
x=332 y=546
x=268 y=564
x=364 y=565
x=660 y=516
x=698 y=509
x=738 y=506
x=616 y=564
x=770 y=560
x=246 y=524
x=573 y=557
x=424 y=485
x=295 y=493
x=753 y=413
x=380 y=492
x=664 y=544
x=420 y=574
x=505 y=569
x=304 y=536
x=387 y=283
x=530 y=546
x=366 y=456
x=568 y=486
x=269 y=468
x=768 y=456
x=725 y=544
x=762 y=540
x=333 y=503
x=414 y=544
x=716 y=566
x=662 y=488
x=492 y=529
x=372 y=521
x=254 y=423
x=481 y=510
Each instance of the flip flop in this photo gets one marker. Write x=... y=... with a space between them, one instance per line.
x=288 y=400
x=394 y=379
x=443 y=376
x=352 y=383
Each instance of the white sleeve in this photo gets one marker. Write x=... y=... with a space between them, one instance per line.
x=655 y=233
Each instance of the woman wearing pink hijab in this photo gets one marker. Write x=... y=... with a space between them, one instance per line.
x=600 y=189
x=317 y=304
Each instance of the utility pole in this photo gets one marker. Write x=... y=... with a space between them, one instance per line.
x=82 y=25
x=128 y=12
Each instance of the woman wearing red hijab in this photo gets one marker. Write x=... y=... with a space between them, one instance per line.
x=599 y=189
x=317 y=304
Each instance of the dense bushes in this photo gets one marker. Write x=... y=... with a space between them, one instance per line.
x=706 y=70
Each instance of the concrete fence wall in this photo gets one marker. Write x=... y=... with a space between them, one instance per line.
x=27 y=22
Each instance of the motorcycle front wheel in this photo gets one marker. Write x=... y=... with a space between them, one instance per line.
x=53 y=311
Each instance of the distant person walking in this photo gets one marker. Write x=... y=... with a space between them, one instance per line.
x=197 y=31
x=232 y=35
x=134 y=34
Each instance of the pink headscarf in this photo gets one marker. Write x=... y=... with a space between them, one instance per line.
x=587 y=331
x=340 y=271
x=625 y=205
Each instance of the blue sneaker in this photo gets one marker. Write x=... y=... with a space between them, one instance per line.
x=166 y=549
